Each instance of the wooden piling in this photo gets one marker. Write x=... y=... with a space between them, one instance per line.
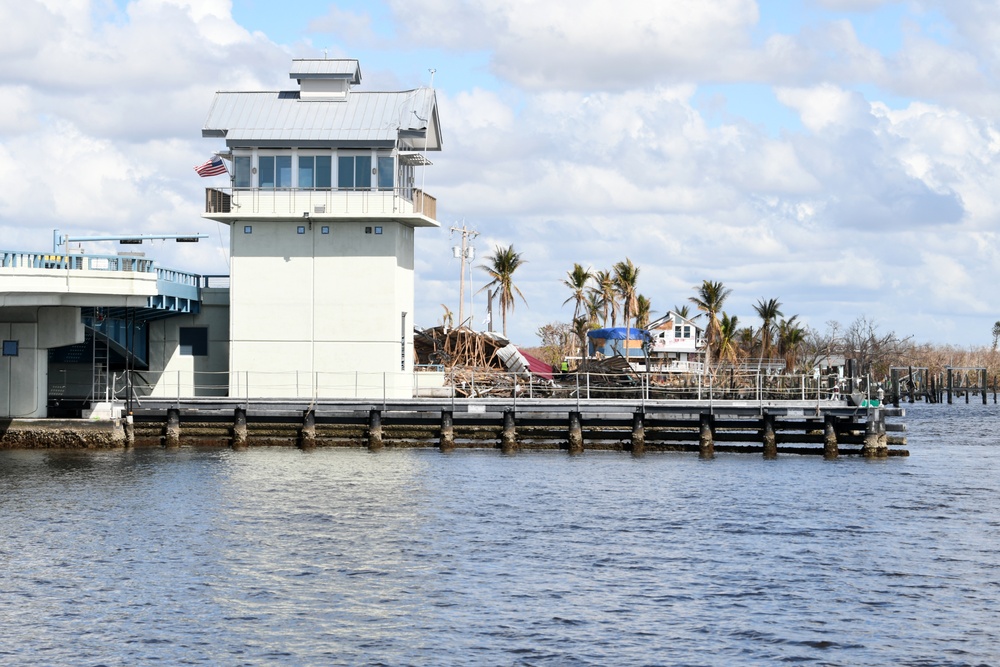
x=951 y=386
x=575 y=433
x=239 y=428
x=374 y=430
x=768 y=437
x=508 y=438
x=173 y=433
x=307 y=434
x=447 y=442
x=638 y=433
x=830 y=447
x=706 y=437
x=983 y=379
x=894 y=386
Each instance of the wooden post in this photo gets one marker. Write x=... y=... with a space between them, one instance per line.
x=982 y=383
x=374 y=430
x=239 y=428
x=447 y=443
x=173 y=434
x=706 y=437
x=508 y=438
x=638 y=433
x=910 y=383
x=307 y=434
x=575 y=433
x=768 y=437
x=129 y=432
x=950 y=385
x=830 y=448
x=894 y=375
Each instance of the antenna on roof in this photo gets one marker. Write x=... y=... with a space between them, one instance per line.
x=324 y=54
x=432 y=71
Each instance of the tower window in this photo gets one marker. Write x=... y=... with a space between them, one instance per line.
x=248 y=229
x=10 y=348
x=301 y=230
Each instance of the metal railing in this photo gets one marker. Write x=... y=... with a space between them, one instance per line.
x=320 y=201
x=72 y=262
x=751 y=388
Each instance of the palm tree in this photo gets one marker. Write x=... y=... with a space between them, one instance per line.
x=769 y=311
x=790 y=339
x=684 y=311
x=626 y=275
x=501 y=267
x=643 y=311
x=728 y=334
x=996 y=334
x=709 y=299
x=577 y=281
x=605 y=291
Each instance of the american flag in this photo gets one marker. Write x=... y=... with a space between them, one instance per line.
x=212 y=167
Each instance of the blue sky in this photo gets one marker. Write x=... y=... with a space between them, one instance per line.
x=839 y=155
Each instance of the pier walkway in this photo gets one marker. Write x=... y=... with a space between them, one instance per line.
x=828 y=428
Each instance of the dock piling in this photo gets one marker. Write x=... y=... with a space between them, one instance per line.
x=575 y=433
x=173 y=433
x=706 y=436
x=638 y=433
x=447 y=442
x=374 y=430
x=508 y=439
x=307 y=434
x=768 y=437
x=239 y=428
x=830 y=447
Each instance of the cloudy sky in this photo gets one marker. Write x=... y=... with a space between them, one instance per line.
x=839 y=155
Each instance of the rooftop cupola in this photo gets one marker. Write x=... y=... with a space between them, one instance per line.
x=325 y=79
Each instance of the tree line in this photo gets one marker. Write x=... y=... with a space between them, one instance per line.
x=603 y=298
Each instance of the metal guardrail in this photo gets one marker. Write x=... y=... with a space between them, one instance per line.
x=753 y=389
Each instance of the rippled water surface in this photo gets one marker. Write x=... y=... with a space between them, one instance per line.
x=277 y=556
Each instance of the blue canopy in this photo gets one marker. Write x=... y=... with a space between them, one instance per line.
x=618 y=333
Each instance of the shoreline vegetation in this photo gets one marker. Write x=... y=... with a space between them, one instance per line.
x=603 y=298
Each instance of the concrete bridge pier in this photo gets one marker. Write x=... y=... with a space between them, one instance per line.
x=830 y=446
x=706 y=436
x=768 y=437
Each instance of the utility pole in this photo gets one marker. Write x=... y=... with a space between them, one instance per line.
x=466 y=252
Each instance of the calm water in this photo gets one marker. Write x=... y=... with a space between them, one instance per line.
x=210 y=557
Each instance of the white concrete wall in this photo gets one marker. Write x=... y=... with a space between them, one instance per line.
x=307 y=304
x=174 y=374
x=24 y=378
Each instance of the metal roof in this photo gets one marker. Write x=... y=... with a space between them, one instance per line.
x=407 y=119
x=313 y=68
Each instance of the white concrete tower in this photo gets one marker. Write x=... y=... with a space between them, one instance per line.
x=322 y=209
